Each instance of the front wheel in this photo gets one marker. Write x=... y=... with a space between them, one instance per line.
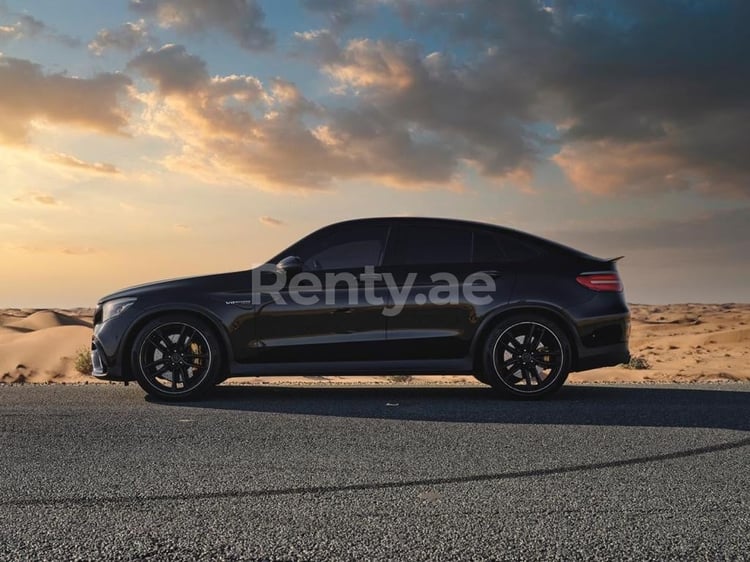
x=176 y=357
x=526 y=356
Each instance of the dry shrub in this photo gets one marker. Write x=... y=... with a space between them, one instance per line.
x=82 y=361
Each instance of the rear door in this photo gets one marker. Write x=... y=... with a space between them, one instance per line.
x=442 y=292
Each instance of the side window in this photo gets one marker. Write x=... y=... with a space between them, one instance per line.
x=415 y=245
x=348 y=248
x=496 y=246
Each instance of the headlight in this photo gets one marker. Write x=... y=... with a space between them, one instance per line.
x=115 y=307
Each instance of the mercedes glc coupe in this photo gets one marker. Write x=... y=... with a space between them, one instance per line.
x=375 y=296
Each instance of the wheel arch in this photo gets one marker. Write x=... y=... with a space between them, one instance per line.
x=195 y=311
x=540 y=309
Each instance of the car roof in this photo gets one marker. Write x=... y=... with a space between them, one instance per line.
x=541 y=242
x=550 y=245
x=437 y=221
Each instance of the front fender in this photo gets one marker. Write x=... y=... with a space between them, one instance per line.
x=171 y=307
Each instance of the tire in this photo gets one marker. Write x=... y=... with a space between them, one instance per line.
x=176 y=357
x=526 y=356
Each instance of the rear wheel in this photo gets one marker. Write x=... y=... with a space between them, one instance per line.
x=526 y=356
x=176 y=357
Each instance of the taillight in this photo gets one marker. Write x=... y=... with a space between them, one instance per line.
x=601 y=281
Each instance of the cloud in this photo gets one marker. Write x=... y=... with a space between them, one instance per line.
x=73 y=162
x=172 y=69
x=243 y=20
x=320 y=42
x=28 y=94
x=54 y=249
x=661 y=81
x=661 y=85
x=46 y=200
x=617 y=167
x=623 y=96
x=341 y=12
x=720 y=232
x=670 y=90
x=79 y=250
x=37 y=198
x=234 y=128
x=480 y=112
x=28 y=27
x=270 y=221
x=128 y=37
x=614 y=93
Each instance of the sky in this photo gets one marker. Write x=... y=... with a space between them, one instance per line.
x=151 y=139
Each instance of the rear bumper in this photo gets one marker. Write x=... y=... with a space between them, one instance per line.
x=606 y=356
x=603 y=341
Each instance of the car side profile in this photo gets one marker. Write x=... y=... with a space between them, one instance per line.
x=375 y=296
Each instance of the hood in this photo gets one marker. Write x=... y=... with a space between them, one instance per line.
x=220 y=281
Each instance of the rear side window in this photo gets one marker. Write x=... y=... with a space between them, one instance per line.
x=415 y=245
x=496 y=246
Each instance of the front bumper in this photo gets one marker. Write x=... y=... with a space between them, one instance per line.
x=99 y=364
x=101 y=367
x=107 y=344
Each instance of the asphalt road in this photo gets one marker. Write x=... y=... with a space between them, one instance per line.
x=598 y=472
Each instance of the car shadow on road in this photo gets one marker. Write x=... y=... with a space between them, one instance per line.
x=721 y=407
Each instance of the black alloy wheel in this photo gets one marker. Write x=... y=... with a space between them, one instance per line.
x=526 y=357
x=176 y=357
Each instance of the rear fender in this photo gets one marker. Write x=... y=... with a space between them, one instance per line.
x=556 y=314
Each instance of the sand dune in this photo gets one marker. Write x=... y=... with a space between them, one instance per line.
x=42 y=355
x=682 y=343
x=45 y=319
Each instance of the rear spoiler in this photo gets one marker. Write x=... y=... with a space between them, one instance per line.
x=613 y=260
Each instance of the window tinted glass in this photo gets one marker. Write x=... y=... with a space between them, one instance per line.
x=347 y=255
x=346 y=248
x=496 y=246
x=413 y=245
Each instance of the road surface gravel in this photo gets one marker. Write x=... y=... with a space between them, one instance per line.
x=642 y=472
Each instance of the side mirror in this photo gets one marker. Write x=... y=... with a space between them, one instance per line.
x=291 y=265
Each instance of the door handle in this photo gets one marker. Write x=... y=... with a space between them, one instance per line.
x=345 y=310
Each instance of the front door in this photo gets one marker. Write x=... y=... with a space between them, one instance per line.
x=326 y=314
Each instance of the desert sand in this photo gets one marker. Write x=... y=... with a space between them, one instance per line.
x=679 y=343
x=40 y=345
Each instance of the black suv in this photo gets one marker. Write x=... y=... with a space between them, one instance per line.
x=375 y=296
